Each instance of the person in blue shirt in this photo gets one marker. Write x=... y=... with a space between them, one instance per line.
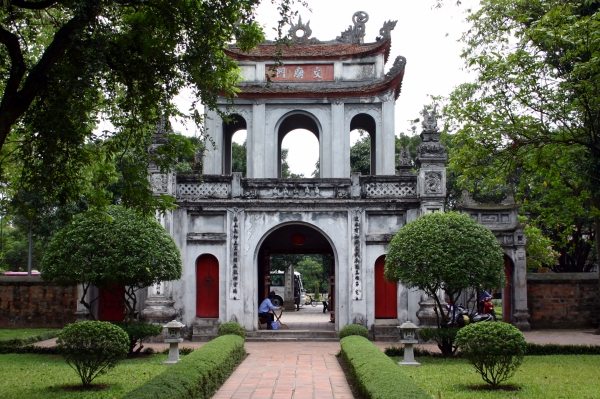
x=265 y=306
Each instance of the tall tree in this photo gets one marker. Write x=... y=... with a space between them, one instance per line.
x=530 y=119
x=68 y=64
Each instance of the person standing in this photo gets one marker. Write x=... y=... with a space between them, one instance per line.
x=265 y=307
x=297 y=298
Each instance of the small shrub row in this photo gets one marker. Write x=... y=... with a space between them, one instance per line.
x=232 y=328
x=353 y=329
x=531 y=350
x=29 y=349
x=18 y=342
x=375 y=374
x=197 y=375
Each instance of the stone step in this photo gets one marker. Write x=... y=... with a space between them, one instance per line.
x=292 y=335
x=203 y=337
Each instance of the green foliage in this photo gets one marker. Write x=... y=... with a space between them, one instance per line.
x=526 y=121
x=238 y=158
x=92 y=348
x=539 y=249
x=138 y=331
x=233 y=328
x=555 y=349
x=353 y=329
x=440 y=335
x=496 y=350
x=182 y=351
x=375 y=374
x=445 y=251
x=197 y=375
x=117 y=247
x=23 y=345
x=449 y=252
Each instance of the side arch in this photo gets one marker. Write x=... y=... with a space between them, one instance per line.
x=237 y=123
x=367 y=123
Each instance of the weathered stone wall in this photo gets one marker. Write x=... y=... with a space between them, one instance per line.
x=29 y=302
x=563 y=300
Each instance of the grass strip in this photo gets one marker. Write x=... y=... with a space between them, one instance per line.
x=532 y=350
x=23 y=345
x=375 y=374
x=197 y=375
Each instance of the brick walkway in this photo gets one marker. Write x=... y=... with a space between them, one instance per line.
x=275 y=370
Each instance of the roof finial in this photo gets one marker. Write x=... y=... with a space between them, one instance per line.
x=355 y=34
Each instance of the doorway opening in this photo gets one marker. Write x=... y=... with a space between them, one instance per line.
x=297 y=262
x=386 y=293
x=207 y=287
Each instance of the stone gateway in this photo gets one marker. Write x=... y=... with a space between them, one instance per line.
x=227 y=226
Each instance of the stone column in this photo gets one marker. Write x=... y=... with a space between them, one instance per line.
x=521 y=313
x=289 y=289
x=213 y=156
x=340 y=141
x=386 y=142
x=255 y=142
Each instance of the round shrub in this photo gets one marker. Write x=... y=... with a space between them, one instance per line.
x=354 y=329
x=232 y=328
x=496 y=350
x=92 y=347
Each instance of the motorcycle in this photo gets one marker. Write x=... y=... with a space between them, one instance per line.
x=487 y=307
x=460 y=316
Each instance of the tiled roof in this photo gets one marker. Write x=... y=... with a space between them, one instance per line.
x=322 y=51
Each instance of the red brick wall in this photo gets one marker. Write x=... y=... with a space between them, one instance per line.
x=563 y=300
x=29 y=302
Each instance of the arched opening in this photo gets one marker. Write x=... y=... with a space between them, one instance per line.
x=507 y=304
x=300 y=123
x=239 y=153
x=235 y=124
x=360 y=152
x=207 y=287
x=386 y=293
x=297 y=262
x=366 y=123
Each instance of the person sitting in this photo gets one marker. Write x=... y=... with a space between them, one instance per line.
x=265 y=307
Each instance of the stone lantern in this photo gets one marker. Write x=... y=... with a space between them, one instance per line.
x=408 y=334
x=173 y=339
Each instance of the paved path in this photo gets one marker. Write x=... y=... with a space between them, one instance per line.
x=276 y=370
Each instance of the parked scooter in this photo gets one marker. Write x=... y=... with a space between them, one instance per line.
x=486 y=305
x=461 y=317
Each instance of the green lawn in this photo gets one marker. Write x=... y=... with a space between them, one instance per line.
x=45 y=376
x=6 y=334
x=539 y=377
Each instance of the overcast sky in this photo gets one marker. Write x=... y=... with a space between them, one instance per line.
x=426 y=36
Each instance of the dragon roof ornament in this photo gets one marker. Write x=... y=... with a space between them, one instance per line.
x=355 y=34
x=304 y=38
x=386 y=30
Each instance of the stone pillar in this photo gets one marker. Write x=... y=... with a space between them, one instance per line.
x=159 y=305
x=521 y=313
x=255 y=142
x=431 y=159
x=213 y=156
x=340 y=142
x=386 y=142
x=289 y=289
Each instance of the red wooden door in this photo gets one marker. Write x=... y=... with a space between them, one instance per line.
x=386 y=306
x=110 y=306
x=207 y=286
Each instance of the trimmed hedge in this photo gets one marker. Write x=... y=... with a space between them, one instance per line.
x=353 y=329
x=197 y=375
x=232 y=327
x=375 y=374
x=17 y=342
x=531 y=350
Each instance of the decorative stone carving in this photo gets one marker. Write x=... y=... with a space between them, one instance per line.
x=466 y=199
x=306 y=32
x=520 y=319
x=356 y=288
x=386 y=30
x=355 y=34
x=429 y=119
x=397 y=67
x=233 y=318
x=390 y=190
x=404 y=162
x=159 y=305
x=160 y=183
x=433 y=183
x=387 y=96
x=426 y=313
x=359 y=319
x=234 y=290
x=431 y=149
x=204 y=190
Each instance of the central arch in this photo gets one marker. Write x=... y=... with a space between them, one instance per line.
x=296 y=238
x=293 y=121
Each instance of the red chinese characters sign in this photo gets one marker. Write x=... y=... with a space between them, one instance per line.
x=302 y=73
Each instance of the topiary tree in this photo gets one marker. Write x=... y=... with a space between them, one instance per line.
x=496 y=350
x=446 y=252
x=115 y=247
x=354 y=329
x=92 y=348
